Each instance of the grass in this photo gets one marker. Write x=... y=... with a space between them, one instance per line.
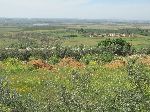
x=8 y=29
x=138 y=42
x=91 y=86
x=33 y=81
x=5 y=42
x=81 y=40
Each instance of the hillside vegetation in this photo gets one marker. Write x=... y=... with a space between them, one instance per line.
x=65 y=69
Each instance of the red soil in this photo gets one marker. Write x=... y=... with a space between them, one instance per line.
x=70 y=62
x=40 y=64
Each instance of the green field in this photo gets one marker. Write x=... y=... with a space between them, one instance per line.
x=138 y=42
x=8 y=29
x=10 y=35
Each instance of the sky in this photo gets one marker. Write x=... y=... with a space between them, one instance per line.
x=81 y=9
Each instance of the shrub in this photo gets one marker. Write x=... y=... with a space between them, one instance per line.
x=54 y=60
x=137 y=98
x=106 y=56
x=11 y=101
x=13 y=65
x=117 y=46
x=3 y=54
x=8 y=98
x=144 y=50
x=87 y=58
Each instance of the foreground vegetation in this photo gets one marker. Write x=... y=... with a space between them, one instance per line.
x=93 y=84
x=53 y=69
x=93 y=88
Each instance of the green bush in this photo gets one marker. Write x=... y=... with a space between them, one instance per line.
x=53 y=60
x=116 y=46
x=88 y=58
x=11 y=101
x=107 y=56
x=144 y=50
x=8 y=100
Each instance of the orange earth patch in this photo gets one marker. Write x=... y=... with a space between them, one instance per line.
x=144 y=60
x=115 y=64
x=40 y=64
x=70 y=62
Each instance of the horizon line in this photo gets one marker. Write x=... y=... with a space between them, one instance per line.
x=115 y=19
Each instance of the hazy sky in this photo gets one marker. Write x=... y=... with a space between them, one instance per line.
x=84 y=9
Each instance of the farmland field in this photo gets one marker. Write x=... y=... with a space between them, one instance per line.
x=138 y=42
x=67 y=67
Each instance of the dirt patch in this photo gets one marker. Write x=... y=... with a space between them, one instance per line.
x=144 y=60
x=40 y=64
x=115 y=64
x=70 y=62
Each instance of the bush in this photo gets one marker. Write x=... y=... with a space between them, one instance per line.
x=8 y=100
x=11 y=101
x=88 y=58
x=116 y=46
x=3 y=54
x=13 y=65
x=137 y=98
x=54 y=60
x=106 y=56
x=144 y=51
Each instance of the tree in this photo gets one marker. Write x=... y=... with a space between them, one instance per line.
x=117 y=46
